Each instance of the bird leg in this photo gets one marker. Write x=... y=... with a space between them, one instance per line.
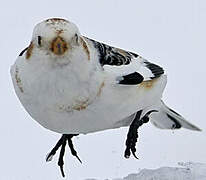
x=62 y=143
x=133 y=133
x=71 y=146
x=61 y=156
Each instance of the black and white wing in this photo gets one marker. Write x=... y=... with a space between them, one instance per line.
x=128 y=68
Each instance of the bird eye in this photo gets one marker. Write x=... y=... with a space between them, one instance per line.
x=39 y=40
x=76 y=38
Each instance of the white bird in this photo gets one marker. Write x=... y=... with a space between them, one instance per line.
x=74 y=85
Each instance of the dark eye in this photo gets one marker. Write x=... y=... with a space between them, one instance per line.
x=77 y=38
x=39 y=40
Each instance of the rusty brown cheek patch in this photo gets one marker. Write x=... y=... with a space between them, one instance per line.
x=85 y=47
x=29 y=50
x=18 y=80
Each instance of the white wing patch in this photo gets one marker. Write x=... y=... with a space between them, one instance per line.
x=137 y=68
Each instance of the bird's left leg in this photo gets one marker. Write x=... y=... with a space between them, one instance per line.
x=133 y=132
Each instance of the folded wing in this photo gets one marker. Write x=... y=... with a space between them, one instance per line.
x=125 y=67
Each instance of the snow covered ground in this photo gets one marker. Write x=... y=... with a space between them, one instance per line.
x=187 y=171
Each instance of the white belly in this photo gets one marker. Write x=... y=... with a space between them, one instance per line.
x=65 y=105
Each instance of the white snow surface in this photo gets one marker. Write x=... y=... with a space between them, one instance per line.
x=186 y=171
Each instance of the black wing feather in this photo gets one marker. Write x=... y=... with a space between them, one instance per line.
x=156 y=70
x=132 y=79
x=22 y=52
x=109 y=55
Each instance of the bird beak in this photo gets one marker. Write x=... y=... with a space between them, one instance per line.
x=59 y=46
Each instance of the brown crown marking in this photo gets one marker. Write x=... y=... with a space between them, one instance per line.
x=56 y=20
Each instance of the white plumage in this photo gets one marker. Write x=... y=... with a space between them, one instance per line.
x=74 y=85
x=68 y=90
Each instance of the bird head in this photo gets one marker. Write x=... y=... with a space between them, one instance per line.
x=55 y=37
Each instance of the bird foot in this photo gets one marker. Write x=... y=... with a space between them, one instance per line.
x=132 y=135
x=62 y=143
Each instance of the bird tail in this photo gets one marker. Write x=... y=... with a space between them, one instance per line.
x=167 y=118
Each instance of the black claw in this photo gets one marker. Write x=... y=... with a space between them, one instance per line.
x=79 y=159
x=54 y=150
x=135 y=155
x=127 y=153
x=133 y=149
x=61 y=156
x=73 y=152
x=62 y=171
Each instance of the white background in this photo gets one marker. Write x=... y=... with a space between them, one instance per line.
x=169 y=33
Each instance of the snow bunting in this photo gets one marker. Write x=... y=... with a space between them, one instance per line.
x=74 y=85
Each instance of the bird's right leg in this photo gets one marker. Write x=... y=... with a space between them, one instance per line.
x=62 y=143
